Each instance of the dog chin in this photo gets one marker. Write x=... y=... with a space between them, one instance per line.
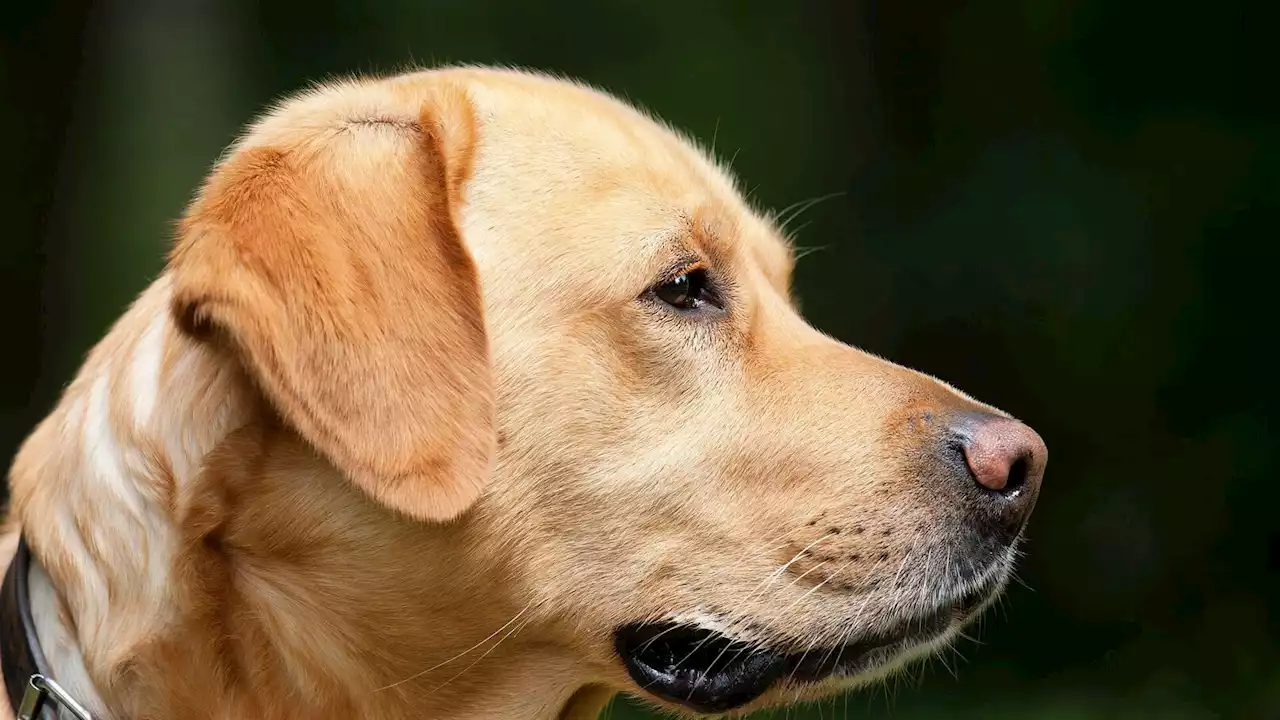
x=697 y=663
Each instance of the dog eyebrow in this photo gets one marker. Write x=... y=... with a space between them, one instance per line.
x=657 y=255
x=702 y=237
x=721 y=238
x=711 y=229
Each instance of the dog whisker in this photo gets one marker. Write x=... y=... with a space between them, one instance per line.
x=762 y=587
x=461 y=654
x=655 y=638
x=851 y=627
x=802 y=597
x=475 y=662
x=803 y=252
x=694 y=651
x=735 y=625
x=787 y=215
x=943 y=660
x=793 y=559
x=846 y=633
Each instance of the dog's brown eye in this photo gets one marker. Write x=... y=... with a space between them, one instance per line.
x=686 y=291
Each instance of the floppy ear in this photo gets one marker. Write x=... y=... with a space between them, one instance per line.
x=329 y=260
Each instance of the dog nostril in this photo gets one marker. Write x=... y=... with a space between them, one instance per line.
x=1003 y=455
x=1017 y=475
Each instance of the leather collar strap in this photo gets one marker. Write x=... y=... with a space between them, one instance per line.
x=24 y=664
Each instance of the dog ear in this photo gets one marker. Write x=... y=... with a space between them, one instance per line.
x=329 y=260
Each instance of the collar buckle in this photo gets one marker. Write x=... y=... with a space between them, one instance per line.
x=42 y=693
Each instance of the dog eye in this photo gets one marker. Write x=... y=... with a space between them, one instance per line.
x=687 y=291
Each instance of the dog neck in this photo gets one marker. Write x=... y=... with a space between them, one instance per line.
x=206 y=562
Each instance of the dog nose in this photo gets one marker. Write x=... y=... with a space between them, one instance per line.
x=1004 y=455
x=1006 y=459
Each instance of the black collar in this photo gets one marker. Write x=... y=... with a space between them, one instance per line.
x=24 y=664
x=20 y=651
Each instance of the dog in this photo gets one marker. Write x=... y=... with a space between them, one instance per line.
x=478 y=393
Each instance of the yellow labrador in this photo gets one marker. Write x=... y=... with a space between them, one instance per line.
x=475 y=393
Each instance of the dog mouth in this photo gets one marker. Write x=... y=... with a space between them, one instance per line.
x=709 y=672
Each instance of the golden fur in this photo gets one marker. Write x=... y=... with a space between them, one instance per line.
x=393 y=436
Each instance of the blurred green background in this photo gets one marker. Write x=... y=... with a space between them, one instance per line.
x=1068 y=208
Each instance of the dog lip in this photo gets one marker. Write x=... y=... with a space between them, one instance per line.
x=706 y=671
x=700 y=669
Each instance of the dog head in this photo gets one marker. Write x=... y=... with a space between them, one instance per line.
x=522 y=308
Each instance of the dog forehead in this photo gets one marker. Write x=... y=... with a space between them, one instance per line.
x=540 y=136
x=567 y=177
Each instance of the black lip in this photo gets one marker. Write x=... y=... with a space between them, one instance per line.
x=708 y=672
x=698 y=668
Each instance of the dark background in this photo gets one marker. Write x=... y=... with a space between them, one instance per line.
x=1068 y=208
